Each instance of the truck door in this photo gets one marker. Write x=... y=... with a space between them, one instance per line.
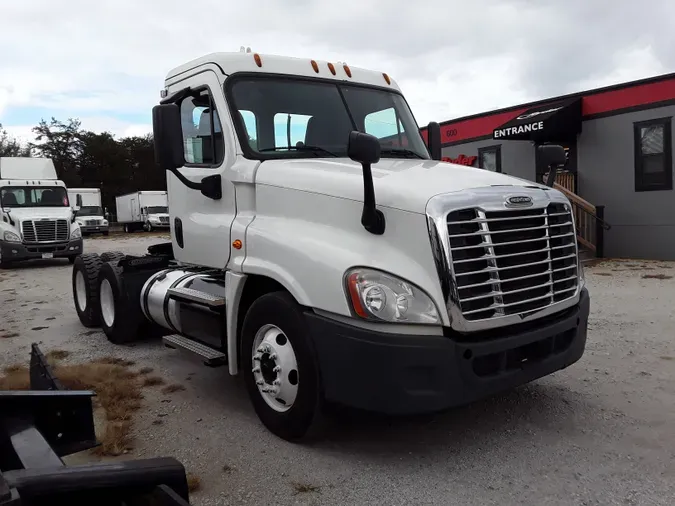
x=200 y=226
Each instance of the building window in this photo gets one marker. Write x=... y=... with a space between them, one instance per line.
x=653 y=155
x=490 y=158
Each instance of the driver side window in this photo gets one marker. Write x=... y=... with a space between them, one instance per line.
x=203 y=143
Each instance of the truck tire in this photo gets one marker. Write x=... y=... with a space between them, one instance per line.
x=120 y=318
x=85 y=288
x=277 y=354
x=112 y=256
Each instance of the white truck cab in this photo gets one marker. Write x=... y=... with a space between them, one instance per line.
x=320 y=248
x=90 y=214
x=37 y=218
x=147 y=210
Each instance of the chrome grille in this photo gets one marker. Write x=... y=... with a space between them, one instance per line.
x=512 y=261
x=38 y=231
x=93 y=223
x=164 y=219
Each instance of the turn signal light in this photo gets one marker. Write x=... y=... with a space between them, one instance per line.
x=386 y=78
x=331 y=67
x=347 y=70
x=257 y=59
x=237 y=244
x=315 y=66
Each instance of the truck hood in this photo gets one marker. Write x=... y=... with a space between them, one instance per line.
x=402 y=184
x=36 y=213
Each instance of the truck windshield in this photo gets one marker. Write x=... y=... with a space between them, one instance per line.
x=90 y=211
x=158 y=210
x=34 y=196
x=285 y=117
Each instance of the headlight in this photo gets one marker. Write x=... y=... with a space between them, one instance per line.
x=11 y=237
x=105 y=222
x=375 y=295
x=76 y=234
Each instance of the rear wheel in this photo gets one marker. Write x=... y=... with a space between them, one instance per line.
x=279 y=366
x=112 y=256
x=120 y=317
x=85 y=288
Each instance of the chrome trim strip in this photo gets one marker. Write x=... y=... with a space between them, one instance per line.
x=489 y=199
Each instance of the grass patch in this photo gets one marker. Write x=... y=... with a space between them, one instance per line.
x=9 y=335
x=152 y=381
x=194 y=482
x=145 y=370
x=114 y=361
x=304 y=488
x=169 y=389
x=666 y=357
x=117 y=387
x=57 y=354
x=656 y=276
x=603 y=274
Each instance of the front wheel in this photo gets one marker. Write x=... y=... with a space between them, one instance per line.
x=279 y=366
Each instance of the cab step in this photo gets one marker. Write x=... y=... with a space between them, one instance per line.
x=199 y=297
x=210 y=356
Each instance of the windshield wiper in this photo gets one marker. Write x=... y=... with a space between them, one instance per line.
x=315 y=149
x=404 y=153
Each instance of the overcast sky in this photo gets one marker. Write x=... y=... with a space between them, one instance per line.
x=104 y=61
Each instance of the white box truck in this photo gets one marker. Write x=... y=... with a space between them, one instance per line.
x=37 y=218
x=90 y=214
x=339 y=260
x=145 y=210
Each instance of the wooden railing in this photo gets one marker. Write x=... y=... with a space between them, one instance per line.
x=567 y=180
x=589 y=221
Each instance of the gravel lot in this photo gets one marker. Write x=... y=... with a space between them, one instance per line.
x=600 y=432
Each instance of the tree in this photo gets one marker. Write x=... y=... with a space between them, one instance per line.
x=9 y=146
x=61 y=142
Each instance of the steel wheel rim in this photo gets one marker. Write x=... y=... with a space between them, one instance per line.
x=107 y=303
x=80 y=291
x=275 y=368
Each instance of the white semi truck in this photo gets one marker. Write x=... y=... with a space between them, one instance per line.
x=320 y=249
x=90 y=214
x=145 y=210
x=37 y=218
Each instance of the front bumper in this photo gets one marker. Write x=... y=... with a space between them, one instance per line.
x=409 y=374
x=94 y=229
x=13 y=252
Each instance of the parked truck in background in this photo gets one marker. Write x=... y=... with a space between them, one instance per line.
x=145 y=210
x=90 y=214
x=323 y=251
x=37 y=218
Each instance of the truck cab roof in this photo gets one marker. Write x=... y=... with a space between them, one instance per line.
x=27 y=168
x=231 y=63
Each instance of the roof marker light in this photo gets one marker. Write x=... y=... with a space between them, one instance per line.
x=315 y=66
x=331 y=67
x=257 y=59
x=347 y=71
x=386 y=78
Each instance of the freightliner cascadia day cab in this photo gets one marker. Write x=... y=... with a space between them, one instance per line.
x=322 y=250
x=90 y=215
x=37 y=218
x=146 y=210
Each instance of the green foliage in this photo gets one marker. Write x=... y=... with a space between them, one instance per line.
x=10 y=146
x=85 y=159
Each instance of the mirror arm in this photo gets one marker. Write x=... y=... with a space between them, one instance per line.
x=372 y=218
x=210 y=186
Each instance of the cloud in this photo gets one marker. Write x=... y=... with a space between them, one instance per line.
x=105 y=61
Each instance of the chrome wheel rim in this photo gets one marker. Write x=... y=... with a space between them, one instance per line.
x=275 y=368
x=107 y=303
x=80 y=291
